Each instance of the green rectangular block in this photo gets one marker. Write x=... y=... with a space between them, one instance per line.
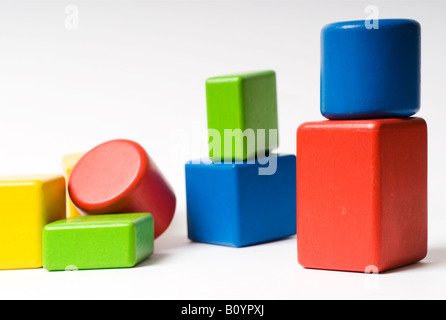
x=236 y=103
x=98 y=242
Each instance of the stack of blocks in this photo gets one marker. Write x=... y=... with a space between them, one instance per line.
x=232 y=198
x=362 y=175
x=115 y=204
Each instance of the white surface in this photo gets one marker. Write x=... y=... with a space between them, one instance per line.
x=136 y=70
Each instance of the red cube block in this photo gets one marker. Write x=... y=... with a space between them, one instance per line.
x=362 y=194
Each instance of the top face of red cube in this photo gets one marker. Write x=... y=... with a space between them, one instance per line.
x=362 y=193
x=372 y=125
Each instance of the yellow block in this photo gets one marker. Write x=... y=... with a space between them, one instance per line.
x=68 y=162
x=27 y=204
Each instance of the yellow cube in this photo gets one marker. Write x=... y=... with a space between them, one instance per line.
x=27 y=204
x=68 y=162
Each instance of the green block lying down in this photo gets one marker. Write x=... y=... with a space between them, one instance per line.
x=98 y=242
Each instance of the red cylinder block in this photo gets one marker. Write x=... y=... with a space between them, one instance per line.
x=120 y=177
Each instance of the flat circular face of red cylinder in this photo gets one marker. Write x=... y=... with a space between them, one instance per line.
x=106 y=174
x=119 y=177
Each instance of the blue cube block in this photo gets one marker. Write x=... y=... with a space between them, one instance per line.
x=232 y=204
x=370 y=73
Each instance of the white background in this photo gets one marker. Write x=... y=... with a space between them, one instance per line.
x=136 y=70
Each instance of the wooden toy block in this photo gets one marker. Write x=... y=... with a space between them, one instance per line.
x=238 y=103
x=232 y=205
x=119 y=176
x=371 y=73
x=27 y=204
x=98 y=242
x=68 y=162
x=362 y=194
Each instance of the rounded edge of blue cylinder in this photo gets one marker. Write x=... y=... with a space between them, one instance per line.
x=361 y=24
